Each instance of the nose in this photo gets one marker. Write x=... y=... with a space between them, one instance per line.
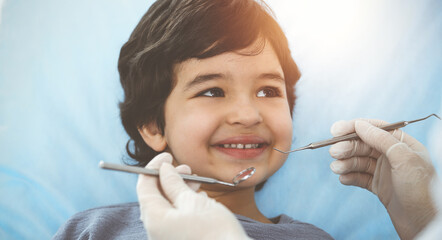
x=244 y=112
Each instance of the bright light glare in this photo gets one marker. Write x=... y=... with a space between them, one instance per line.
x=328 y=31
x=354 y=46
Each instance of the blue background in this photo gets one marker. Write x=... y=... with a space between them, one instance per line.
x=59 y=91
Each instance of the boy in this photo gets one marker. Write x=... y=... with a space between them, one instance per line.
x=212 y=83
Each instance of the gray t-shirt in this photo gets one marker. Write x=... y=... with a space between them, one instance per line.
x=123 y=222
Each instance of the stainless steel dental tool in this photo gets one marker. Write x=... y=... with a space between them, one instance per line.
x=240 y=177
x=354 y=136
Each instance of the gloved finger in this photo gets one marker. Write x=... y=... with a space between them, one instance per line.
x=148 y=185
x=185 y=169
x=172 y=183
x=346 y=127
x=397 y=152
x=149 y=195
x=375 y=137
x=204 y=194
x=413 y=143
x=342 y=127
x=419 y=162
x=353 y=148
x=354 y=164
x=362 y=180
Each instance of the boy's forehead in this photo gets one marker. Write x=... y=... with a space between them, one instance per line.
x=264 y=56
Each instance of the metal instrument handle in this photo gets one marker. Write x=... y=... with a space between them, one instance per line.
x=354 y=136
x=154 y=172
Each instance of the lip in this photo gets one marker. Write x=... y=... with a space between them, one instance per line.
x=249 y=153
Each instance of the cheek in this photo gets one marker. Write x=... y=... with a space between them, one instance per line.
x=187 y=131
x=287 y=131
x=280 y=122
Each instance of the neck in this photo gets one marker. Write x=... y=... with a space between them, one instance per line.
x=239 y=201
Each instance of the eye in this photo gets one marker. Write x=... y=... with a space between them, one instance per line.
x=269 y=92
x=213 y=92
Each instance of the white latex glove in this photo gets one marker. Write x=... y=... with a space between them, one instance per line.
x=434 y=229
x=395 y=167
x=170 y=209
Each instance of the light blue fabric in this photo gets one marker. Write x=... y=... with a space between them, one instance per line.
x=59 y=92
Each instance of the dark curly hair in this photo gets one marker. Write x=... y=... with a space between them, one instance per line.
x=173 y=31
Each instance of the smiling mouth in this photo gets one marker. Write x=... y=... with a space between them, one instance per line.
x=242 y=150
x=241 y=145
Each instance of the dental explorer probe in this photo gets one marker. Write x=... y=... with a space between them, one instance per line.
x=241 y=176
x=354 y=136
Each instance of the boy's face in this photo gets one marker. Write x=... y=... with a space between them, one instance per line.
x=227 y=112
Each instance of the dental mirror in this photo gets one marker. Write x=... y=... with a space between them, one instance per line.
x=243 y=175
x=240 y=177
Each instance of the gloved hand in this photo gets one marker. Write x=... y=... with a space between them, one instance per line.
x=394 y=166
x=170 y=209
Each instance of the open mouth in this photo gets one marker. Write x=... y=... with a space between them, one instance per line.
x=242 y=146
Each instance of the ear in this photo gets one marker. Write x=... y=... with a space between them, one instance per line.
x=152 y=136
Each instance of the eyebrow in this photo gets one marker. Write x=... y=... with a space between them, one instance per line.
x=273 y=76
x=208 y=77
x=204 y=78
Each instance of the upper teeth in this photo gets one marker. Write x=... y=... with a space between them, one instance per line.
x=241 y=146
